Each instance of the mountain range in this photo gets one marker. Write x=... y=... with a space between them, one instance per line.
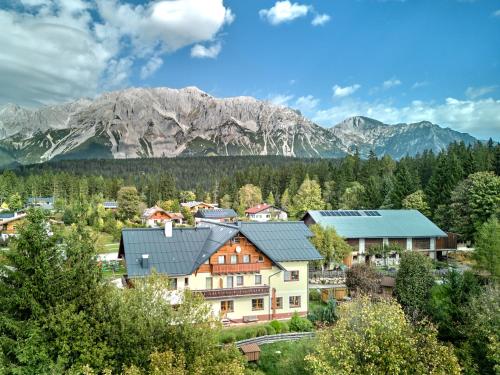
x=163 y=122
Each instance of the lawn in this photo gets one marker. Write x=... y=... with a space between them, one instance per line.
x=110 y=272
x=285 y=357
x=106 y=244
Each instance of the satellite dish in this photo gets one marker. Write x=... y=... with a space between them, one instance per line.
x=238 y=249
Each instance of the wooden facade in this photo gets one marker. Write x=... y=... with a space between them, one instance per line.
x=421 y=243
x=10 y=226
x=257 y=260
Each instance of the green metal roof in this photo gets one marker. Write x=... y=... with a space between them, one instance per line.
x=377 y=223
x=188 y=248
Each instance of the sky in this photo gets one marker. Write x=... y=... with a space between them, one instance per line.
x=392 y=60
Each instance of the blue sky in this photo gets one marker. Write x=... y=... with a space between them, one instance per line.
x=396 y=61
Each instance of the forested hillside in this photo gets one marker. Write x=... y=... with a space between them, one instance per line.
x=432 y=183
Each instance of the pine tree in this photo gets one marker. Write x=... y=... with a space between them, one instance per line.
x=270 y=199
x=403 y=185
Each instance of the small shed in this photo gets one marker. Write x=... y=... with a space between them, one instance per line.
x=387 y=284
x=251 y=352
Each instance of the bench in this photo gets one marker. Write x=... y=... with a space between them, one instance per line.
x=250 y=319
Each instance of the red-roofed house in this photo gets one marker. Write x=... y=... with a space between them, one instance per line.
x=156 y=216
x=265 y=212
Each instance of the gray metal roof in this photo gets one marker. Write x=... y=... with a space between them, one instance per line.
x=46 y=200
x=281 y=240
x=218 y=213
x=168 y=255
x=377 y=223
x=110 y=204
x=189 y=248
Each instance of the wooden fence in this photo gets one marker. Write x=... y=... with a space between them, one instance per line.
x=269 y=339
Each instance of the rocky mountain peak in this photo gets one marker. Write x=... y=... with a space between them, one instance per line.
x=156 y=122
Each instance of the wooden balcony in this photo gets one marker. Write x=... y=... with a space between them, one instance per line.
x=236 y=268
x=262 y=290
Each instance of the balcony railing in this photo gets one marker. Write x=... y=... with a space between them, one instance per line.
x=236 y=268
x=235 y=292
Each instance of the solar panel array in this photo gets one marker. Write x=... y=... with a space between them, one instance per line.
x=349 y=213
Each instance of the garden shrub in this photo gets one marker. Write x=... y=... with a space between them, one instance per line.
x=276 y=325
x=250 y=333
x=270 y=329
x=314 y=295
x=284 y=327
x=228 y=337
x=298 y=324
x=261 y=331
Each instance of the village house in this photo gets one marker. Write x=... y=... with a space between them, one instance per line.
x=110 y=205
x=47 y=203
x=156 y=216
x=9 y=223
x=265 y=212
x=194 y=206
x=363 y=229
x=247 y=271
x=221 y=215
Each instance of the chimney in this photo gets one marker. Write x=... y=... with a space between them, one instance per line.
x=144 y=260
x=168 y=228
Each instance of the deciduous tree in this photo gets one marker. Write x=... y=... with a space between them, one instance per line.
x=487 y=248
x=376 y=338
x=308 y=197
x=329 y=244
x=128 y=202
x=417 y=201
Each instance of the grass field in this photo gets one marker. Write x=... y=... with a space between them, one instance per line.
x=284 y=357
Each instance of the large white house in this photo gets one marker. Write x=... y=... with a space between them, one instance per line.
x=247 y=271
x=265 y=212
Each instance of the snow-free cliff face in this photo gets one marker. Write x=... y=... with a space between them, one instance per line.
x=168 y=122
x=399 y=140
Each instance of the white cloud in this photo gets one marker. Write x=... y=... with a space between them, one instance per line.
x=496 y=13
x=229 y=17
x=173 y=24
x=480 y=117
x=306 y=103
x=393 y=82
x=320 y=19
x=202 y=52
x=476 y=92
x=280 y=99
x=151 y=67
x=341 y=92
x=58 y=50
x=284 y=11
x=419 y=84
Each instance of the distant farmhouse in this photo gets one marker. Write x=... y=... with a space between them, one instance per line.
x=47 y=203
x=110 y=205
x=265 y=212
x=9 y=223
x=194 y=206
x=156 y=216
x=363 y=229
x=246 y=271
x=221 y=215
